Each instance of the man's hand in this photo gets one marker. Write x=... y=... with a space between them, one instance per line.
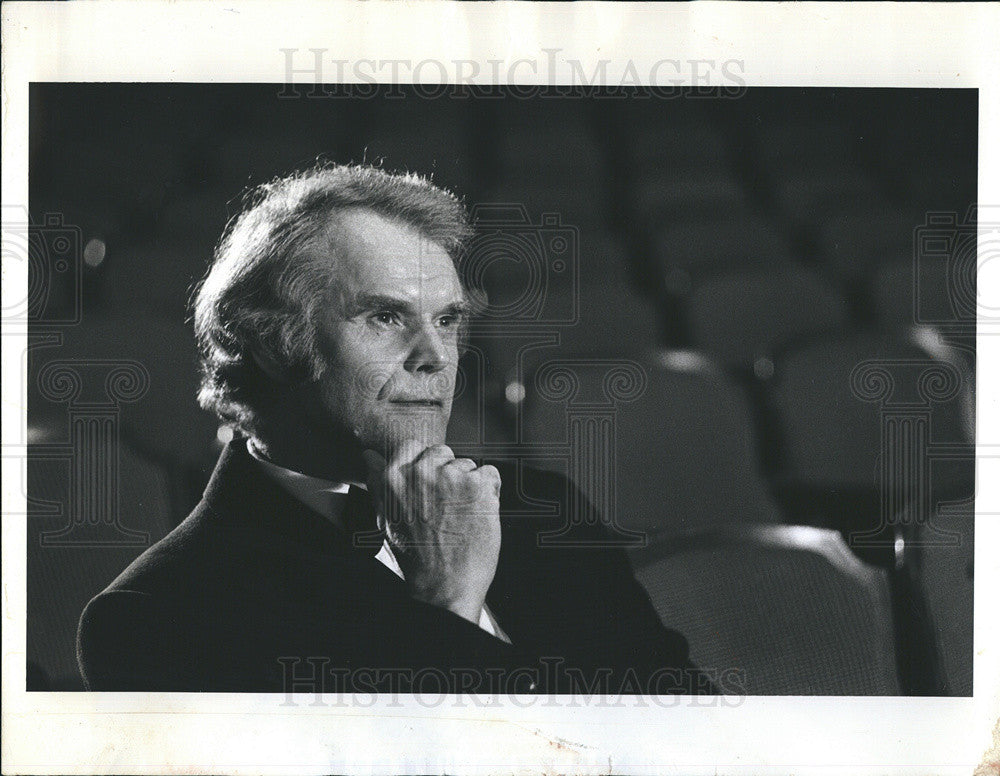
x=441 y=515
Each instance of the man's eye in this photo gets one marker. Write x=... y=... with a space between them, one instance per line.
x=385 y=317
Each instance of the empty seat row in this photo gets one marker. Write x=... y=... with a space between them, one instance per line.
x=818 y=440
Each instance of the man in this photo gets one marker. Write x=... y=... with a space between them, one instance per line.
x=340 y=545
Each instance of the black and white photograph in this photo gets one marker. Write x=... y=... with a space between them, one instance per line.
x=552 y=395
x=702 y=434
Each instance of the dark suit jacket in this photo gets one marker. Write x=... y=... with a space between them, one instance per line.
x=256 y=592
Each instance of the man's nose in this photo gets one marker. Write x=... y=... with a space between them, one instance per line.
x=428 y=352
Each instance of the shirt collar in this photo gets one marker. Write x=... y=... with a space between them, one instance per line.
x=315 y=492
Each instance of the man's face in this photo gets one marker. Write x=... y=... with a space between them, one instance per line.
x=389 y=332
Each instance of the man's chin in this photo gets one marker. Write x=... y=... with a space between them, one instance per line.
x=426 y=425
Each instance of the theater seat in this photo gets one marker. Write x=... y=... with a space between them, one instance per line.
x=475 y=421
x=654 y=138
x=741 y=318
x=189 y=227
x=787 y=607
x=529 y=155
x=816 y=147
x=903 y=298
x=806 y=198
x=585 y=207
x=673 y=196
x=734 y=241
x=829 y=422
x=138 y=169
x=155 y=278
x=588 y=302
x=853 y=244
x=684 y=452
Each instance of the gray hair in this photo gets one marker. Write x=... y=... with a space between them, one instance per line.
x=262 y=291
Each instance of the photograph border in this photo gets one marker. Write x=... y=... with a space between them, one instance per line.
x=531 y=45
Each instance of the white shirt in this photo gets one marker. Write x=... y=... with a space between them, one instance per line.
x=315 y=493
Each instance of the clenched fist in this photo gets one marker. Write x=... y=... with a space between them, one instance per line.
x=441 y=515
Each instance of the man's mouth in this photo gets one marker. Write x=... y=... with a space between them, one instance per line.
x=430 y=403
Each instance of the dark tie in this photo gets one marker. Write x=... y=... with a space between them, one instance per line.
x=361 y=522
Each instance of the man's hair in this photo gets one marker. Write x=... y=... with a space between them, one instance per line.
x=263 y=289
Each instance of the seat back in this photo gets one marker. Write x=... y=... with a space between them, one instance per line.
x=659 y=135
x=660 y=196
x=831 y=434
x=740 y=318
x=903 y=297
x=682 y=453
x=592 y=308
x=475 y=422
x=854 y=243
x=790 y=607
x=804 y=197
x=737 y=240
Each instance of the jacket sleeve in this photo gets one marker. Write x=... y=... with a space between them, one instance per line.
x=128 y=642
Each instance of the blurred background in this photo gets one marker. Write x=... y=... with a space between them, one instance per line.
x=782 y=287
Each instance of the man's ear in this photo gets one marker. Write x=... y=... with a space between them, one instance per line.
x=270 y=367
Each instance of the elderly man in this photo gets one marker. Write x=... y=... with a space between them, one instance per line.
x=340 y=545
